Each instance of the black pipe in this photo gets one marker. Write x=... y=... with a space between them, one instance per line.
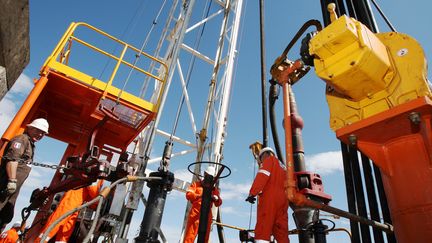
x=360 y=198
x=150 y=225
x=300 y=32
x=364 y=14
x=206 y=203
x=389 y=24
x=351 y=9
x=128 y=218
x=350 y=192
x=372 y=199
x=263 y=75
x=303 y=218
x=273 y=96
x=320 y=232
x=383 y=202
x=325 y=13
x=340 y=7
x=220 y=227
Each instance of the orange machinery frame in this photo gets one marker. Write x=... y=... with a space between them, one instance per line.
x=71 y=102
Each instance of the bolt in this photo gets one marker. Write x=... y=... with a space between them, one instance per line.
x=352 y=139
x=415 y=118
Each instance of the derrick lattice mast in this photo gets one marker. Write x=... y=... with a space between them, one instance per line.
x=180 y=24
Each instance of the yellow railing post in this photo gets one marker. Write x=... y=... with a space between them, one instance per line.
x=113 y=74
x=58 y=61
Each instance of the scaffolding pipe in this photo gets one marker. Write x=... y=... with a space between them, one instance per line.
x=263 y=75
x=350 y=192
x=360 y=197
x=371 y=194
x=383 y=202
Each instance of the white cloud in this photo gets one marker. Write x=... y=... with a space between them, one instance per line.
x=231 y=191
x=7 y=111
x=23 y=85
x=38 y=178
x=325 y=163
x=10 y=102
x=183 y=174
x=174 y=194
x=235 y=211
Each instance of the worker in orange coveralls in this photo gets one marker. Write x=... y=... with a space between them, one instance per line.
x=71 y=199
x=194 y=195
x=272 y=212
x=11 y=236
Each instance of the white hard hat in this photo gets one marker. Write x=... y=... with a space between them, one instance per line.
x=40 y=123
x=210 y=170
x=266 y=149
x=17 y=224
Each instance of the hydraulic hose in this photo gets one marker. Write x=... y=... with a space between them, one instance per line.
x=273 y=96
x=94 y=222
x=312 y=22
x=102 y=195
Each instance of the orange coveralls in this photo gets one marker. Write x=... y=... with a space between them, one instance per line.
x=71 y=199
x=272 y=212
x=10 y=236
x=194 y=194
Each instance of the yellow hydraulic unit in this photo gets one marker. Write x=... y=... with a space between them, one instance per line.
x=380 y=102
x=363 y=70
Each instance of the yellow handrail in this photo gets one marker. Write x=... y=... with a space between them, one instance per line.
x=116 y=58
x=62 y=52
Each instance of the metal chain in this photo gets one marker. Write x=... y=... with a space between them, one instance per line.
x=49 y=166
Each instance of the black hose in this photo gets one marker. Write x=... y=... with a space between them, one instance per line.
x=273 y=89
x=273 y=96
x=364 y=14
x=263 y=75
x=312 y=22
x=325 y=13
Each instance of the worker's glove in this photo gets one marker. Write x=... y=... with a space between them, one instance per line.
x=251 y=199
x=215 y=198
x=11 y=186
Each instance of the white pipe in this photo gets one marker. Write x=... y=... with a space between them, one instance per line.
x=223 y=115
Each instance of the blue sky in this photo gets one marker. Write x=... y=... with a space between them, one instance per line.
x=50 y=18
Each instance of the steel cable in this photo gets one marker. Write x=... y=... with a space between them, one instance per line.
x=141 y=50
